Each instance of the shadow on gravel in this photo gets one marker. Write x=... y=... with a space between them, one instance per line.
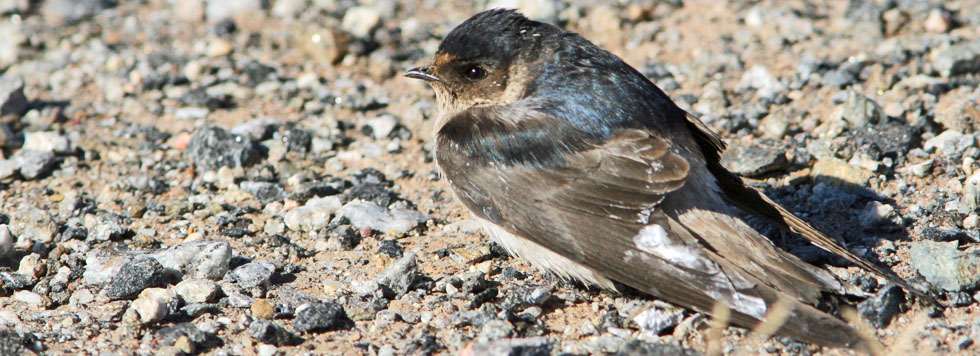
x=840 y=209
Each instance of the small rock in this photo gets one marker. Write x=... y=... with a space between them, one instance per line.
x=171 y=334
x=400 y=275
x=204 y=258
x=263 y=309
x=253 y=274
x=838 y=78
x=946 y=233
x=320 y=316
x=837 y=172
x=636 y=347
x=34 y=164
x=541 y=10
x=875 y=214
x=46 y=141
x=67 y=12
x=756 y=158
x=195 y=290
x=391 y=248
x=361 y=21
x=944 y=266
x=343 y=238
x=218 y=10
x=28 y=297
x=212 y=147
x=860 y=111
x=655 y=321
x=958 y=59
x=950 y=143
x=264 y=192
x=882 y=307
x=12 y=99
x=759 y=78
x=368 y=215
x=108 y=226
x=6 y=241
x=314 y=215
x=382 y=126
x=271 y=333
x=134 y=277
x=494 y=330
x=511 y=347
x=266 y=349
x=938 y=21
x=258 y=129
x=154 y=304
x=32 y=224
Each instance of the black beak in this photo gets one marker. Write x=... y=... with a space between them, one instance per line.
x=422 y=73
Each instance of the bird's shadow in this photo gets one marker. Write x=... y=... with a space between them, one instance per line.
x=837 y=208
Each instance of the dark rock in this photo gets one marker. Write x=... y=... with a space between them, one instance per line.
x=883 y=306
x=482 y=297
x=532 y=346
x=170 y=334
x=636 y=347
x=509 y=273
x=264 y=192
x=860 y=111
x=391 y=248
x=12 y=99
x=271 y=333
x=756 y=158
x=345 y=238
x=296 y=140
x=213 y=147
x=947 y=233
x=320 y=316
x=308 y=190
x=16 y=281
x=959 y=299
x=135 y=276
x=195 y=310
x=400 y=276
x=372 y=192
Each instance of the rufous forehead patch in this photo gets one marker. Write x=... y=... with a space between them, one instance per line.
x=443 y=58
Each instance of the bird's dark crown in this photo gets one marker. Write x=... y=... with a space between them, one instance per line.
x=495 y=36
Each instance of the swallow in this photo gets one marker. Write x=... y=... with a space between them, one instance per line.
x=572 y=159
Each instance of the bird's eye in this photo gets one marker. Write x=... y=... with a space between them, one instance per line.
x=474 y=73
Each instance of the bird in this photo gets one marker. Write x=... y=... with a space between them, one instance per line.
x=573 y=160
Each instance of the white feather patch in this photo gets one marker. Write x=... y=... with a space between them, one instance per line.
x=653 y=239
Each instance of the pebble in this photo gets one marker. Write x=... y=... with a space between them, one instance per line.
x=361 y=21
x=107 y=226
x=218 y=10
x=756 y=158
x=538 y=345
x=400 y=276
x=12 y=99
x=958 y=59
x=154 y=304
x=875 y=214
x=382 y=126
x=6 y=241
x=253 y=274
x=970 y=194
x=67 y=12
x=398 y=220
x=204 y=258
x=263 y=309
x=314 y=215
x=860 y=111
x=655 y=321
x=46 y=141
x=271 y=333
x=759 y=78
x=320 y=316
x=541 y=10
x=342 y=238
x=212 y=147
x=635 y=347
x=950 y=143
x=135 y=276
x=264 y=192
x=266 y=349
x=197 y=290
x=880 y=309
x=34 y=164
x=837 y=172
x=188 y=332
x=28 y=297
x=944 y=266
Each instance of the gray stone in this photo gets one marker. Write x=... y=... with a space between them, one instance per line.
x=28 y=223
x=66 y=12
x=756 y=158
x=880 y=309
x=155 y=304
x=12 y=99
x=108 y=226
x=656 y=320
x=213 y=147
x=400 y=276
x=271 y=333
x=312 y=216
x=218 y=10
x=958 y=59
x=860 y=111
x=399 y=219
x=320 y=316
x=264 y=192
x=382 y=126
x=34 y=164
x=759 y=78
x=945 y=266
x=950 y=143
x=838 y=78
x=134 y=277
x=204 y=258
x=494 y=330
x=253 y=274
x=170 y=334
x=196 y=290
x=970 y=195
x=258 y=129
x=6 y=241
x=636 y=347
x=361 y=21
x=538 y=345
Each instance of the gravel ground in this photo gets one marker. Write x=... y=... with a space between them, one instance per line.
x=246 y=177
